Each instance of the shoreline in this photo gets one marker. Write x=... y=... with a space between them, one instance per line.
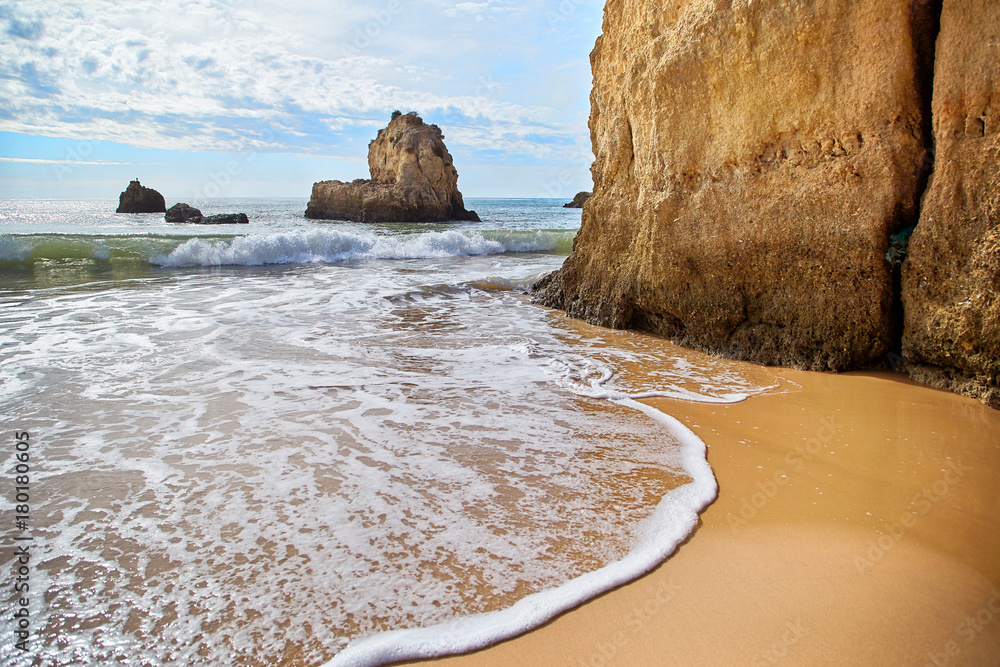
x=855 y=524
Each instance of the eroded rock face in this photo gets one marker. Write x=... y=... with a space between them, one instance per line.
x=139 y=199
x=752 y=159
x=951 y=279
x=413 y=179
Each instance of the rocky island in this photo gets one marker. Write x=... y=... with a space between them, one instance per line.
x=139 y=199
x=413 y=179
x=753 y=161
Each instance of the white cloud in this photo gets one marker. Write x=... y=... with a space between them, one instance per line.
x=34 y=160
x=282 y=74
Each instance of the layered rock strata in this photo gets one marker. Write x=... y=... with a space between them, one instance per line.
x=139 y=199
x=752 y=160
x=413 y=179
x=951 y=278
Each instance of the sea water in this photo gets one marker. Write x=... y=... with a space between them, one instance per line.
x=294 y=441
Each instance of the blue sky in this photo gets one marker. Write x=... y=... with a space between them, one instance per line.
x=235 y=98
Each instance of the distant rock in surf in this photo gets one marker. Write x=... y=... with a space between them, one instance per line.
x=184 y=213
x=139 y=199
x=413 y=179
x=226 y=219
x=578 y=200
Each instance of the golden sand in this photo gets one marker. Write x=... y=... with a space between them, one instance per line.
x=856 y=524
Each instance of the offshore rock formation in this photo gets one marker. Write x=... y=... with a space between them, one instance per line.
x=752 y=159
x=951 y=279
x=578 y=200
x=185 y=213
x=139 y=199
x=413 y=179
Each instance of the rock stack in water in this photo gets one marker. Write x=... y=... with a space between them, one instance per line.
x=139 y=199
x=413 y=179
x=753 y=161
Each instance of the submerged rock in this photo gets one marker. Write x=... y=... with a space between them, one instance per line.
x=951 y=278
x=413 y=179
x=183 y=213
x=139 y=199
x=578 y=200
x=752 y=160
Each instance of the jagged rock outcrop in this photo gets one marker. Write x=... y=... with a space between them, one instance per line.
x=752 y=160
x=413 y=179
x=951 y=279
x=578 y=200
x=139 y=199
x=184 y=213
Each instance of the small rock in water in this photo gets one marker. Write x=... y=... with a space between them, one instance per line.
x=183 y=213
x=227 y=219
x=139 y=199
x=189 y=214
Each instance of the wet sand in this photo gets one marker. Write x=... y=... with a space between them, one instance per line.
x=856 y=524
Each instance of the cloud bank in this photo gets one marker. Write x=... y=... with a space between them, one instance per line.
x=507 y=81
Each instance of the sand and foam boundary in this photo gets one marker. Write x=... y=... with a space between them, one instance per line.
x=855 y=524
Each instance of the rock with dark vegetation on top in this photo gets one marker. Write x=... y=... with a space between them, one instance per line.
x=578 y=200
x=413 y=179
x=139 y=199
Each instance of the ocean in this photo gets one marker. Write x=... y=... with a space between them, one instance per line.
x=300 y=442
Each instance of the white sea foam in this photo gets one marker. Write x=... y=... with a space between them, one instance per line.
x=237 y=462
x=332 y=245
x=656 y=538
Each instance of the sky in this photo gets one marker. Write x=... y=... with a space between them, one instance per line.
x=261 y=98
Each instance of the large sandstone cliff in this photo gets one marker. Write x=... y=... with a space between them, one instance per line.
x=753 y=159
x=951 y=280
x=413 y=179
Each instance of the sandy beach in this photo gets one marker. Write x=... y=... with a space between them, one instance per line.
x=856 y=524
